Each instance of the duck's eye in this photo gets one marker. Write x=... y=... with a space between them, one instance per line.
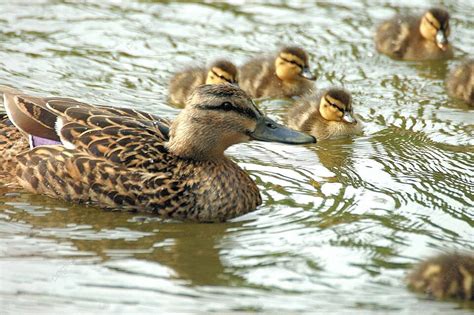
x=227 y=106
x=271 y=125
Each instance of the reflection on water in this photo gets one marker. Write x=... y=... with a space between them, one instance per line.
x=341 y=220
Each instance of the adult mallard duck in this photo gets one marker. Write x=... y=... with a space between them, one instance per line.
x=445 y=276
x=460 y=82
x=285 y=75
x=125 y=159
x=183 y=83
x=416 y=38
x=326 y=114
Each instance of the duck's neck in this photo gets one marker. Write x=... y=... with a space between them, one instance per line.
x=188 y=150
x=198 y=145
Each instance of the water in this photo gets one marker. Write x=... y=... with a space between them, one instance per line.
x=341 y=221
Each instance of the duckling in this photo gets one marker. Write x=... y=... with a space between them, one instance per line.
x=283 y=76
x=445 y=276
x=120 y=158
x=416 y=38
x=325 y=115
x=183 y=83
x=460 y=82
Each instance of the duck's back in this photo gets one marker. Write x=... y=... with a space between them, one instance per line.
x=183 y=83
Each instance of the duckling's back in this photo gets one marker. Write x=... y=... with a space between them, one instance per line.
x=393 y=37
x=258 y=79
x=302 y=115
x=460 y=82
x=448 y=275
x=183 y=83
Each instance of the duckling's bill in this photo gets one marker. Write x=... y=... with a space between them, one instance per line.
x=349 y=118
x=269 y=130
x=306 y=73
x=441 y=40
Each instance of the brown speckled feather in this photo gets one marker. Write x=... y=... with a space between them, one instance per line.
x=12 y=142
x=181 y=190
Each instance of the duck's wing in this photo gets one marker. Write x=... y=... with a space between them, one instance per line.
x=122 y=136
x=30 y=115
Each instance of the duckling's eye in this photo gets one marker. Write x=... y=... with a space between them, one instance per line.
x=221 y=77
x=292 y=62
x=431 y=23
x=334 y=105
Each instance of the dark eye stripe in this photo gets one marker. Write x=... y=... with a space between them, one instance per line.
x=292 y=61
x=256 y=109
x=432 y=24
x=332 y=104
x=228 y=107
x=222 y=77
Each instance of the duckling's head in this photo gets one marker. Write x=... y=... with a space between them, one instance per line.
x=434 y=26
x=222 y=71
x=445 y=275
x=336 y=105
x=218 y=116
x=291 y=63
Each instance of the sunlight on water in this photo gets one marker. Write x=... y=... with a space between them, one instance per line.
x=341 y=220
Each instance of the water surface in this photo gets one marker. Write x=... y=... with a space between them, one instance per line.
x=341 y=221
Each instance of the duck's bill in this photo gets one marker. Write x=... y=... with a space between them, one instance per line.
x=441 y=40
x=268 y=130
x=349 y=118
x=306 y=73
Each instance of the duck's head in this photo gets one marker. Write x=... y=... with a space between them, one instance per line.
x=434 y=26
x=218 y=116
x=291 y=63
x=221 y=72
x=335 y=104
